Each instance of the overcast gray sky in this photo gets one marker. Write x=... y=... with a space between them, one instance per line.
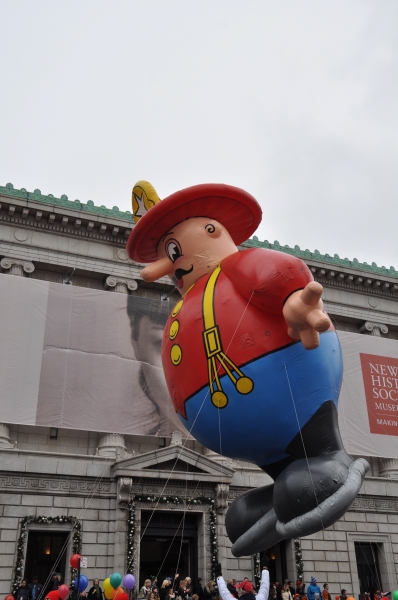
x=296 y=102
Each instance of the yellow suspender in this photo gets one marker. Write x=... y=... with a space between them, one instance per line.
x=214 y=350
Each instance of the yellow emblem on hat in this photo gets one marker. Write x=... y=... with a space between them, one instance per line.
x=144 y=197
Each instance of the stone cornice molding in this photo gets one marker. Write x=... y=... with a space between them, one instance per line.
x=78 y=227
x=56 y=485
x=120 y=284
x=145 y=465
x=64 y=202
x=308 y=257
x=357 y=282
x=15 y=266
x=374 y=504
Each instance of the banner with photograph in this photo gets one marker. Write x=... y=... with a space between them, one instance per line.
x=77 y=358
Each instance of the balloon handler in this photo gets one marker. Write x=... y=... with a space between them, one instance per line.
x=252 y=362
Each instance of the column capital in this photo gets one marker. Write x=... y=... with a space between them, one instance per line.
x=5 y=436
x=371 y=328
x=14 y=266
x=388 y=468
x=120 y=284
x=222 y=491
x=124 y=485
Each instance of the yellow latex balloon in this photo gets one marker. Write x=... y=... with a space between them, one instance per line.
x=107 y=588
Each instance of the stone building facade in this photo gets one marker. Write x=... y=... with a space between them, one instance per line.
x=122 y=497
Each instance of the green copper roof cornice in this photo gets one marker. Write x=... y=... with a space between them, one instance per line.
x=63 y=202
x=325 y=258
x=254 y=242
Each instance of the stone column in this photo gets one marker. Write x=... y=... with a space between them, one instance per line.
x=371 y=328
x=124 y=487
x=5 y=437
x=111 y=445
x=22 y=268
x=121 y=285
x=388 y=468
x=221 y=505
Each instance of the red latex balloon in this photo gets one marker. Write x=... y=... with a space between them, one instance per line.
x=123 y=596
x=117 y=593
x=53 y=595
x=9 y=597
x=63 y=591
x=74 y=560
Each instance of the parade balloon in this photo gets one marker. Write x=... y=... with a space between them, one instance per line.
x=83 y=583
x=395 y=595
x=63 y=591
x=74 y=561
x=129 y=581
x=116 y=580
x=249 y=340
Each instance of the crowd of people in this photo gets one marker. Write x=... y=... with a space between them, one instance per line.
x=179 y=588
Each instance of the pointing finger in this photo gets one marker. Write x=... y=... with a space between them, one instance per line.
x=312 y=293
x=309 y=339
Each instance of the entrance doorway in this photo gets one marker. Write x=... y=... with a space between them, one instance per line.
x=368 y=567
x=170 y=542
x=44 y=548
x=278 y=564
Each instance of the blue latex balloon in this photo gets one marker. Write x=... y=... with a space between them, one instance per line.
x=83 y=583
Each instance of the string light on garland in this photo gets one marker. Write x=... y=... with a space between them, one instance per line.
x=298 y=557
x=179 y=500
x=130 y=538
x=257 y=570
x=25 y=521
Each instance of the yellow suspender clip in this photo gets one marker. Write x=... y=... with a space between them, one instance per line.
x=214 y=350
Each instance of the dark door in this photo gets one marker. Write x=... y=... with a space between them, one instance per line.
x=169 y=542
x=44 y=549
x=278 y=564
x=368 y=567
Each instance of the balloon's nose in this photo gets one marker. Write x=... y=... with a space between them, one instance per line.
x=157 y=269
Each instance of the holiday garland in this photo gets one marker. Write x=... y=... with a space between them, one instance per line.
x=171 y=500
x=76 y=543
x=299 y=557
x=257 y=570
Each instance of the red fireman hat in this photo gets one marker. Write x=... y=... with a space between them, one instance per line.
x=234 y=208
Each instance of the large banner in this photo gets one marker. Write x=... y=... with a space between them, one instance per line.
x=368 y=407
x=77 y=358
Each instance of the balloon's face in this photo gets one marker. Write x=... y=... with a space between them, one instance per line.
x=191 y=249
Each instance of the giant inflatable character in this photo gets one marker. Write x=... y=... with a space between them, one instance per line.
x=252 y=362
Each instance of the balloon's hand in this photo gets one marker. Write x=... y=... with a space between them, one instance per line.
x=303 y=312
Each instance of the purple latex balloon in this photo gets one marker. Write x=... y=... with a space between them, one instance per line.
x=128 y=581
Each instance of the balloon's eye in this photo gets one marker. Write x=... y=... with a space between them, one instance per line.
x=173 y=250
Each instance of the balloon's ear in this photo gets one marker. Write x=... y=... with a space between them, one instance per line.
x=214 y=230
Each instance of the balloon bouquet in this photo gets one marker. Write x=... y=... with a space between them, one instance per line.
x=112 y=587
x=112 y=584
